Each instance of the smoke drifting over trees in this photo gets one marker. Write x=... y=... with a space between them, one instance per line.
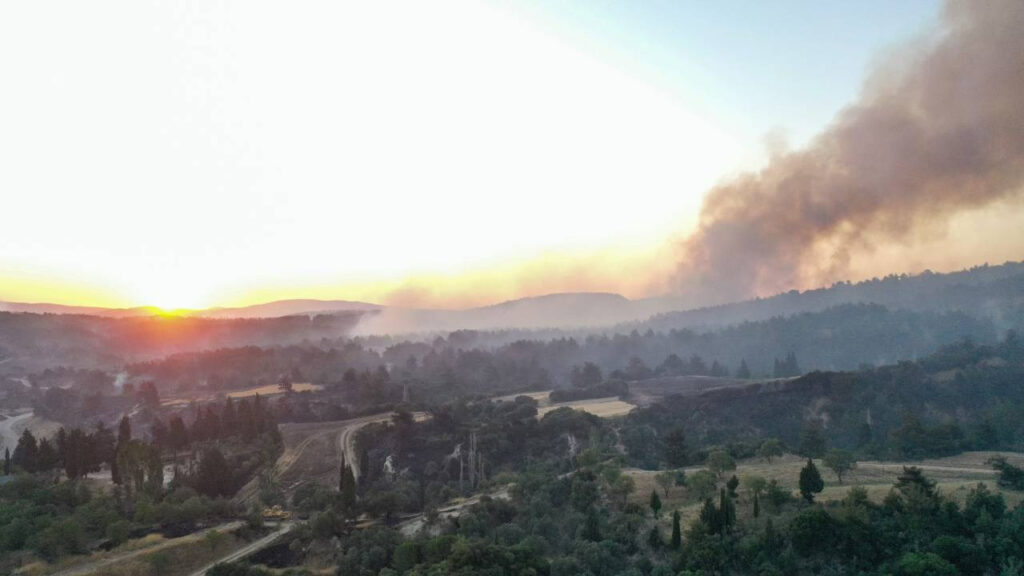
x=941 y=133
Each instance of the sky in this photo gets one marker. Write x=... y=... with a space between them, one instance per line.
x=192 y=154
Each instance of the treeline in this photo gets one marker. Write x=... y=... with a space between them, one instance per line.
x=964 y=397
x=52 y=521
x=463 y=363
x=246 y=430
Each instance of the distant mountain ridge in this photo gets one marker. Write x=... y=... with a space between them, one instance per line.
x=980 y=290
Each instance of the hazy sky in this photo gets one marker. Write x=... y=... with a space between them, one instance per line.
x=199 y=153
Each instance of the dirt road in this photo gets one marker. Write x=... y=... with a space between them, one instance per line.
x=10 y=429
x=96 y=566
x=413 y=525
x=248 y=549
x=312 y=435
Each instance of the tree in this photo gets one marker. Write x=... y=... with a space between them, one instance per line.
x=158 y=430
x=347 y=488
x=665 y=479
x=676 y=450
x=124 y=430
x=719 y=462
x=810 y=481
x=710 y=517
x=732 y=485
x=213 y=476
x=672 y=366
x=912 y=481
x=702 y=483
x=622 y=487
x=7 y=461
x=812 y=441
x=26 y=453
x=840 y=462
x=743 y=373
x=925 y=564
x=47 y=457
x=655 y=503
x=770 y=448
x=677 y=538
x=178 y=435
x=755 y=483
x=587 y=376
x=148 y=394
x=1010 y=476
x=726 y=511
x=757 y=505
x=285 y=384
x=654 y=538
x=104 y=449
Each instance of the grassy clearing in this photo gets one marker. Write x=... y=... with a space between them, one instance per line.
x=955 y=477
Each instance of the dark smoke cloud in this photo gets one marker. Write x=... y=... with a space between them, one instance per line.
x=940 y=132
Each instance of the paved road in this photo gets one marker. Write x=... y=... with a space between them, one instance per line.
x=249 y=549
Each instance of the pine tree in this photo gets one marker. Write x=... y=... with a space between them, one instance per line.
x=810 y=481
x=677 y=536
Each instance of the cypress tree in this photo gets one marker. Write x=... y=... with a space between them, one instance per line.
x=7 y=461
x=124 y=431
x=677 y=535
x=757 y=506
x=655 y=503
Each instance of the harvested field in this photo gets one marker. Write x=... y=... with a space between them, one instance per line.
x=600 y=407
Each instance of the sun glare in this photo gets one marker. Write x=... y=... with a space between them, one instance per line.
x=171 y=297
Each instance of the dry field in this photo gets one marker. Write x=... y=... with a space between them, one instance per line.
x=272 y=389
x=264 y=391
x=955 y=477
x=601 y=407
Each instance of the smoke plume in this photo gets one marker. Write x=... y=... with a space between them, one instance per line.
x=938 y=132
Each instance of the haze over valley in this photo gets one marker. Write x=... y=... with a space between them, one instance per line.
x=512 y=289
